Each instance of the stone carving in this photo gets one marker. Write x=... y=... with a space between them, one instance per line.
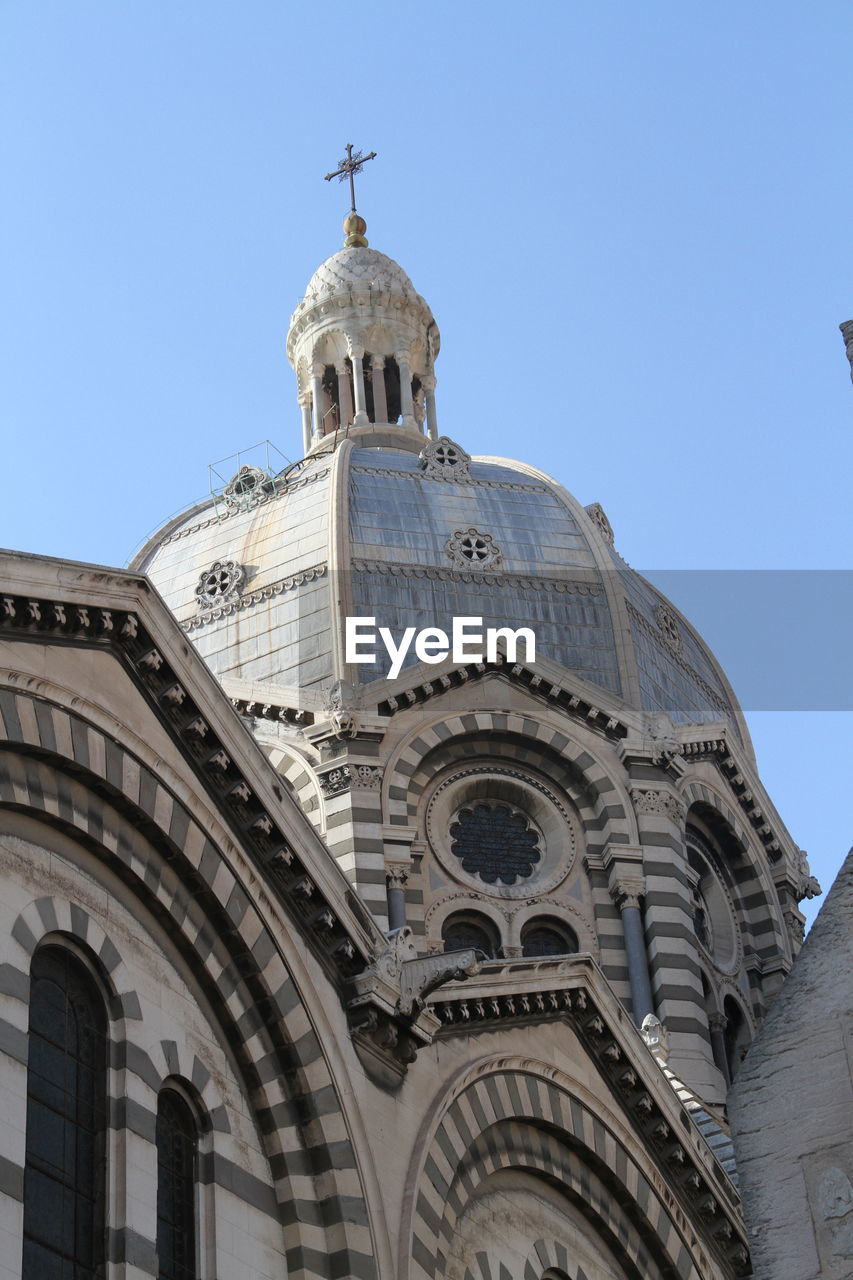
x=398 y=874
x=656 y=1037
x=663 y=802
x=443 y=459
x=626 y=891
x=397 y=966
x=795 y=926
x=474 y=549
x=807 y=885
x=366 y=777
x=422 y=975
x=336 y=780
x=596 y=513
x=221 y=582
x=665 y=745
x=339 y=705
x=668 y=624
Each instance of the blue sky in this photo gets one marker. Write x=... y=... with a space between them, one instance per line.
x=631 y=222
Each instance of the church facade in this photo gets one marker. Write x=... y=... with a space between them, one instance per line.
x=314 y=966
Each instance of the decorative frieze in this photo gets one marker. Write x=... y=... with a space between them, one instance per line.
x=430 y=475
x=560 y=586
x=659 y=802
x=233 y=603
x=364 y=777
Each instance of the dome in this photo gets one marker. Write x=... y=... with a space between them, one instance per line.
x=359 y=268
x=413 y=533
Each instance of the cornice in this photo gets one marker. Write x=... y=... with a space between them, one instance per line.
x=476 y=482
x=443 y=573
x=520 y=993
x=725 y=754
x=573 y=704
x=342 y=950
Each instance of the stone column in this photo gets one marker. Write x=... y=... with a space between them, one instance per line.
x=407 y=407
x=717 y=1023
x=398 y=875
x=380 y=399
x=305 y=406
x=344 y=396
x=317 y=399
x=357 y=357
x=626 y=892
x=670 y=937
x=428 y=381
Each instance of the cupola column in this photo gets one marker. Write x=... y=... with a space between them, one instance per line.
x=407 y=404
x=380 y=399
x=317 y=399
x=305 y=406
x=344 y=393
x=357 y=357
x=428 y=381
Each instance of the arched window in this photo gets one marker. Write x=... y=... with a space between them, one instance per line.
x=737 y=1035
x=64 y=1174
x=470 y=929
x=545 y=936
x=177 y=1160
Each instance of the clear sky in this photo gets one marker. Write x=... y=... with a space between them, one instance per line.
x=632 y=223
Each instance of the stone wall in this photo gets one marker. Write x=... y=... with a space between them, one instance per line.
x=792 y=1110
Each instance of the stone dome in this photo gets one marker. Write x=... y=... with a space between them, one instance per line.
x=414 y=532
x=359 y=267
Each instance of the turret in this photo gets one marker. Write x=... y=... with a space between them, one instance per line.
x=363 y=344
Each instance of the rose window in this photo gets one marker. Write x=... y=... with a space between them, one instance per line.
x=249 y=486
x=494 y=842
x=471 y=547
x=220 y=582
x=443 y=459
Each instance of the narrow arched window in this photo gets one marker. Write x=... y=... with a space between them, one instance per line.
x=177 y=1158
x=64 y=1175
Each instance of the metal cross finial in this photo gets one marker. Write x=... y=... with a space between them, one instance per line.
x=352 y=163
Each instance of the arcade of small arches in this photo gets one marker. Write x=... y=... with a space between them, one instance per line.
x=347 y=384
x=520 y=835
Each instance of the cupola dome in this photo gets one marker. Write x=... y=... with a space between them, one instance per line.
x=363 y=344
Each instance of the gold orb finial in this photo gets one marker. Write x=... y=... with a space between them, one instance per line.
x=354 y=229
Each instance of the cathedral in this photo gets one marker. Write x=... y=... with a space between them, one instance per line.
x=388 y=888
